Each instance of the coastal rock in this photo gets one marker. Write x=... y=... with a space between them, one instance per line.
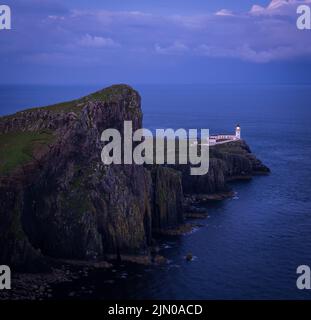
x=167 y=198
x=68 y=204
x=228 y=162
x=59 y=201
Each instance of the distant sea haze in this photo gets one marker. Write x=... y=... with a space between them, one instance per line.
x=251 y=245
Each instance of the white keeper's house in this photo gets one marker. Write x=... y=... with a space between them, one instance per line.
x=224 y=138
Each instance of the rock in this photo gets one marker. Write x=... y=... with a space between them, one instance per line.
x=138 y=259
x=64 y=203
x=158 y=259
x=189 y=256
x=168 y=199
x=196 y=215
x=67 y=203
x=179 y=230
x=228 y=162
x=155 y=249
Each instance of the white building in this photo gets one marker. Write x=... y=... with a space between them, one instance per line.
x=238 y=132
x=224 y=138
x=221 y=138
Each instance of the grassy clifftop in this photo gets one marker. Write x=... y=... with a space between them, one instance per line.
x=17 y=148
x=111 y=94
x=21 y=133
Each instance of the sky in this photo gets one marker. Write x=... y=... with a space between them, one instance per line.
x=154 y=41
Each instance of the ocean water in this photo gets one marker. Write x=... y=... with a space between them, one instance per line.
x=249 y=247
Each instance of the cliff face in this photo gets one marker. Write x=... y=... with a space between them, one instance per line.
x=167 y=198
x=65 y=203
x=229 y=161
x=58 y=200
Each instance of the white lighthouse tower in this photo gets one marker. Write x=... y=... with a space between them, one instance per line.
x=238 y=132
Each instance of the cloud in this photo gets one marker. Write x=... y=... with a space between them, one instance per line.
x=278 y=7
x=224 y=12
x=176 y=48
x=97 y=42
x=250 y=54
x=259 y=35
x=53 y=17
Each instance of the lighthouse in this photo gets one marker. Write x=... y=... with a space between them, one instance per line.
x=238 y=132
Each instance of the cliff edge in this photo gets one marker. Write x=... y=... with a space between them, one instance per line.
x=59 y=201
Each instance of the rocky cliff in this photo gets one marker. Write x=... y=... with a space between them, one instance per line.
x=230 y=161
x=58 y=200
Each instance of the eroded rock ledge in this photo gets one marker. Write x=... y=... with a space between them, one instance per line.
x=58 y=201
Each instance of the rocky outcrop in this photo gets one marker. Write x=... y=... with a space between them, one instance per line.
x=16 y=250
x=228 y=162
x=167 y=198
x=63 y=202
x=68 y=204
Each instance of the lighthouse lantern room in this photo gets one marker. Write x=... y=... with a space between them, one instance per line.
x=238 y=132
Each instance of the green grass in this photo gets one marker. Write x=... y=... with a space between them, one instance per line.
x=17 y=148
x=110 y=93
x=69 y=106
x=63 y=107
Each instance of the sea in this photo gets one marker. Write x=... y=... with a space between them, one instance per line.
x=249 y=246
